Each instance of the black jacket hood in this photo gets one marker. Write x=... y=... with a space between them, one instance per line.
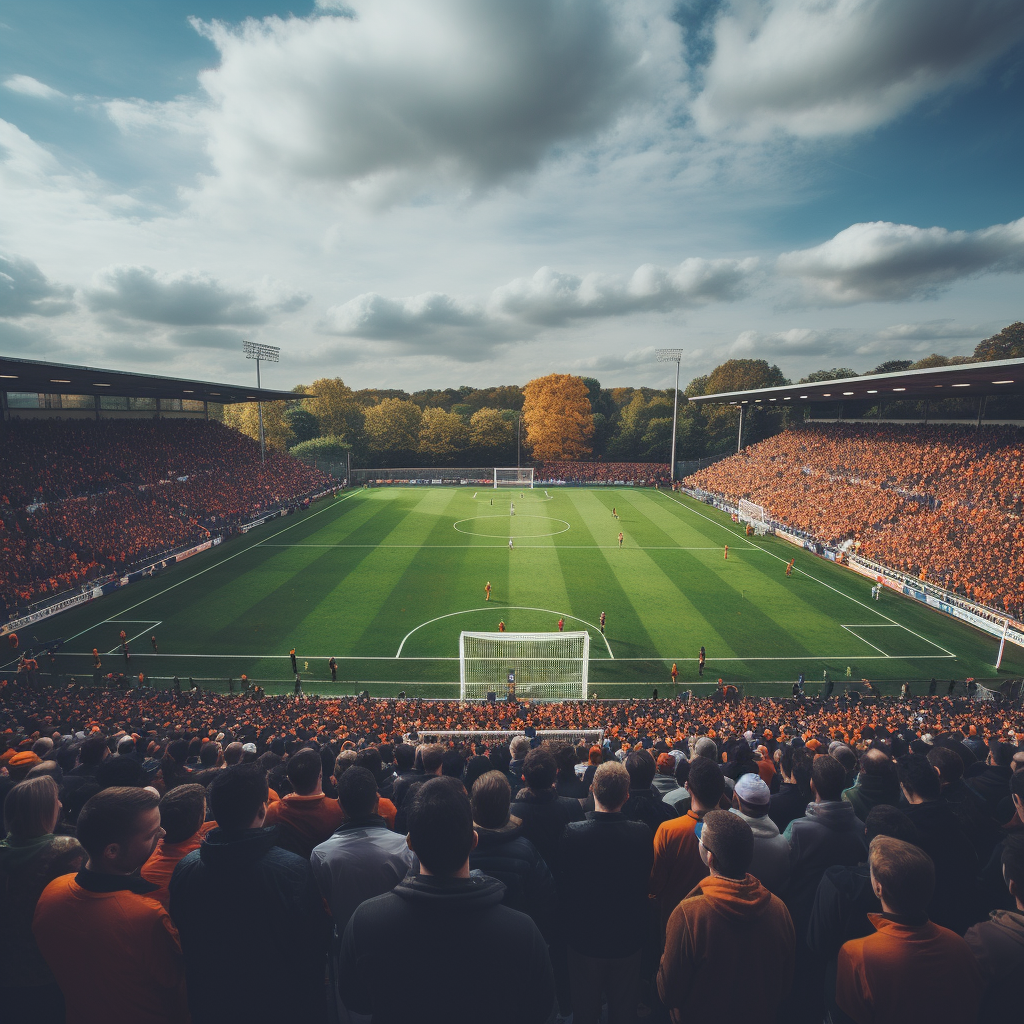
x=469 y=894
x=223 y=850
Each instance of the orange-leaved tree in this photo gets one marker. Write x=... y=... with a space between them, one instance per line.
x=558 y=418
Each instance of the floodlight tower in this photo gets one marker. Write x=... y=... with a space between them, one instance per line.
x=672 y=355
x=272 y=354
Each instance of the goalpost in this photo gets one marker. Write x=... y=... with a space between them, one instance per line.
x=748 y=512
x=551 y=665
x=513 y=477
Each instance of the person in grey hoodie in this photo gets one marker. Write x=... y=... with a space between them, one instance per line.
x=770 y=865
x=998 y=943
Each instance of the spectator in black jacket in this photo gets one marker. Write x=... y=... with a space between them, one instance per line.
x=271 y=967
x=504 y=853
x=794 y=794
x=645 y=803
x=967 y=807
x=992 y=782
x=543 y=812
x=602 y=869
x=845 y=898
x=429 y=757
x=474 y=960
x=518 y=748
x=955 y=903
x=568 y=783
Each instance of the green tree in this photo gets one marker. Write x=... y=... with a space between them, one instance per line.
x=244 y=417
x=836 y=373
x=1007 y=344
x=893 y=366
x=929 y=362
x=392 y=427
x=305 y=426
x=443 y=435
x=335 y=407
x=321 y=449
x=492 y=430
x=741 y=375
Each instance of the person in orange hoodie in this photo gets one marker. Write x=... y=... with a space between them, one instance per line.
x=730 y=938
x=910 y=970
x=113 y=949
x=308 y=816
x=183 y=819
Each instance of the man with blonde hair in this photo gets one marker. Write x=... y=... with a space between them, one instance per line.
x=910 y=969
x=602 y=870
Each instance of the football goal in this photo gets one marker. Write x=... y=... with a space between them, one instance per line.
x=537 y=665
x=514 y=477
x=751 y=513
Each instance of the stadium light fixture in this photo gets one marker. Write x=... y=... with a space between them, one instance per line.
x=803 y=396
x=847 y=392
x=272 y=354
x=826 y=394
x=14 y=376
x=52 y=381
x=872 y=392
x=672 y=355
x=961 y=385
x=1002 y=382
x=899 y=389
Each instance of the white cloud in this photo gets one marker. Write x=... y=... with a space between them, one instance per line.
x=825 y=67
x=26 y=85
x=188 y=298
x=26 y=291
x=883 y=262
x=470 y=91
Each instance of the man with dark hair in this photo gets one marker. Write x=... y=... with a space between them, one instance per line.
x=876 y=784
x=542 y=811
x=603 y=868
x=307 y=816
x=280 y=929
x=479 y=960
x=678 y=867
x=956 y=902
x=967 y=807
x=112 y=948
x=910 y=969
x=790 y=802
x=730 y=936
x=429 y=757
x=92 y=751
x=992 y=781
x=183 y=819
x=645 y=803
x=998 y=943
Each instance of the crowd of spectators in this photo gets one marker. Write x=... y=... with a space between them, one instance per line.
x=83 y=499
x=222 y=858
x=944 y=504
x=643 y=474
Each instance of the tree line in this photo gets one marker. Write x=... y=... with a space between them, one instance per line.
x=556 y=417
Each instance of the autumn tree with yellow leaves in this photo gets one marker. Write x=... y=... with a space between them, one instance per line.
x=558 y=418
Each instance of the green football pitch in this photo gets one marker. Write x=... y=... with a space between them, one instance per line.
x=384 y=580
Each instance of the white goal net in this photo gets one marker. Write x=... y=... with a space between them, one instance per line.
x=514 y=477
x=751 y=513
x=502 y=737
x=545 y=665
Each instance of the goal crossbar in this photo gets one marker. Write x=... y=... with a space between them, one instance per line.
x=592 y=737
x=748 y=512
x=552 y=665
x=513 y=476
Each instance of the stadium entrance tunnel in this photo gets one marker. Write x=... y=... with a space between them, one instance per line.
x=521 y=525
x=439 y=638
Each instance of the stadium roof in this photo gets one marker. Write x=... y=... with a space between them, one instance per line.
x=998 y=377
x=32 y=375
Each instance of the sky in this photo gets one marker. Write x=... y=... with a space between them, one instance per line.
x=431 y=193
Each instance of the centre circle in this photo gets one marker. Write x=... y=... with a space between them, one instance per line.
x=517 y=526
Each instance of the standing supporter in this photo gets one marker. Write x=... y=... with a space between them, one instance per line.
x=183 y=819
x=678 y=866
x=518 y=748
x=770 y=863
x=876 y=784
x=679 y=798
x=504 y=853
x=992 y=781
x=475 y=959
x=405 y=773
x=308 y=816
x=794 y=794
x=645 y=803
x=998 y=944
x=272 y=969
x=664 y=780
x=967 y=807
x=955 y=903
x=542 y=811
x=909 y=971
x=603 y=868
x=111 y=947
x=567 y=782
x=30 y=858
x=731 y=940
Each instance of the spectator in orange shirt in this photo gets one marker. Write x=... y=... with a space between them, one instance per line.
x=111 y=946
x=183 y=819
x=308 y=816
x=678 y=868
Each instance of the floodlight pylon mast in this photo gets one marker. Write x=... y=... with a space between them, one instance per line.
x=272 y=354
x=672 y=355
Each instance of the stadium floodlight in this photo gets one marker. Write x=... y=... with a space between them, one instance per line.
x=672 y=355
x=272 y=354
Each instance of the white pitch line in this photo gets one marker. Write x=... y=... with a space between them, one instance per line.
x=145 y=600
x=868 y=642
x=536 y=547
x=512 y=607
x=815 y=578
